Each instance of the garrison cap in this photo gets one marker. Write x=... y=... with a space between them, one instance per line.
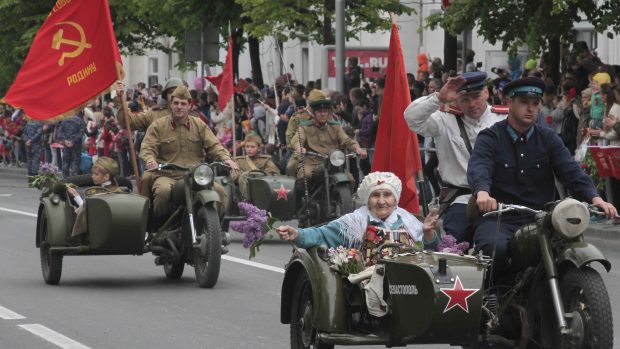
x=107 y=164
x=318 y=98
x=474 y=81
x=253 y=138
x=181 y=92
x=530 y=86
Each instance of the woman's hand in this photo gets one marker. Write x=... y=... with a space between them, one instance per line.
x=430 y=223
x=287 y=233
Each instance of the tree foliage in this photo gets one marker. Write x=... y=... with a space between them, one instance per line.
x=303 y=19
x=526 y=22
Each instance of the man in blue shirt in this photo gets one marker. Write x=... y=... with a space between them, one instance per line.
x=514 y=162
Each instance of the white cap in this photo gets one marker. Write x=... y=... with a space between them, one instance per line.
x=379 y=180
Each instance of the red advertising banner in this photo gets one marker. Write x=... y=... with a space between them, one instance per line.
x=607 y=161
x=372 y=62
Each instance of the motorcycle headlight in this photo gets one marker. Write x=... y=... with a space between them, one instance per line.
x=570 y=218
x=203 y=175
x=337 y=158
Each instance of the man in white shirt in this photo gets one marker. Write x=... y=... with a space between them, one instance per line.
x=439 y=116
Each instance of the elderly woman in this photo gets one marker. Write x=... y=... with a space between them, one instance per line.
x=379 y=221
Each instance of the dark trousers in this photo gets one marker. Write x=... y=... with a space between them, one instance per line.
x=487 y=235
x=71 y=160
x=455 y=223
x=34 y=155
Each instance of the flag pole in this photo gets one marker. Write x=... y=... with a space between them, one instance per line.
x=234 y=114
x=132 y=151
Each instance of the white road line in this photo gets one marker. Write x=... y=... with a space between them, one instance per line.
x=18 y=212
x=253 y=264
x=228 y=258
x=7 y=314
x=53 y=336
x=6 y=195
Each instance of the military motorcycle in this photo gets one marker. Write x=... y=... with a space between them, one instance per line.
x=556 y=301
x=329 y=199
x=118 y=223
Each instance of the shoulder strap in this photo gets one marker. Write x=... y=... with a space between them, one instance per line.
x=463 y=133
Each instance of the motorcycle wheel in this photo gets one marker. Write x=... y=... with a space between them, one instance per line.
x=207 y=267
x=343 y=200
x=51 y=262
x=302 y=332
x=585 y=295
x=174 y=271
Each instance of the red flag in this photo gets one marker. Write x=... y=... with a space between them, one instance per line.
x=396 y=147
x=224 y=81
x=73 y=58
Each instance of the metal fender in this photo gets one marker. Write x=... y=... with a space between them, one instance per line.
x=329 y=312
x=204 y=197
x=59 y=222
x=339 y=177
x=581 y=253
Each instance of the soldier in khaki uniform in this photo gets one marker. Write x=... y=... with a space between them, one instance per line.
x=252 y=161
x=293 y=126
x=141 y=122
x=181 y=139
x=321 y=135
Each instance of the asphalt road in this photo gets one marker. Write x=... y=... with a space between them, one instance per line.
x=126 y=302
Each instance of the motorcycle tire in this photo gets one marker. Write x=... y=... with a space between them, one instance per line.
x=207 y=268
x=51 y=262
x=584 y=293
x=343 y=200
x=303 y=334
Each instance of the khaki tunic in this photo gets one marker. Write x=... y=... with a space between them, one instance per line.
x=291 y=130
x=184 y=143
x=320 y=139
x=247 y=164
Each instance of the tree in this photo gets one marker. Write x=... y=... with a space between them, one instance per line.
x=542 y=25
x=310 y=20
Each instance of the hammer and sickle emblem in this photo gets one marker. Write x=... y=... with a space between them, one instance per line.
x=79 y=45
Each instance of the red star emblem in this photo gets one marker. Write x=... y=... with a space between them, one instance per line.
x=282 y=193
x=458 y=295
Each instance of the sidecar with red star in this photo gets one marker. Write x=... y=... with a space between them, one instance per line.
x=274 y=194
x=417 y=297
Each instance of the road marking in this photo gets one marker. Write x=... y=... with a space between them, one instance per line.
x=6 y=195
x=18 y=212
x=253 y=264
x=228 y=258
x=7 y=314
x=53 y=336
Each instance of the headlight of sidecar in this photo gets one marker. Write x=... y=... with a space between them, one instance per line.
x=203 y=175
x=336 y=158
x=570 y=218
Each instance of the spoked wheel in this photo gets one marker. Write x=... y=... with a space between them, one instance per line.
x=303 y=333
x=208 y=255
x=51 y=262
x=343 y=201
x=585 y=296
x=174 y=270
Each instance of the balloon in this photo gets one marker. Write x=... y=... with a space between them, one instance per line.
x=198 y=84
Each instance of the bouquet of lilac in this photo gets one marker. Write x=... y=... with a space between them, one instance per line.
x=48 y=176
x=448 y=244
x=257 y=226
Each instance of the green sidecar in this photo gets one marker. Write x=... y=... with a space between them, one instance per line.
x=117 y=225
x=431 y=298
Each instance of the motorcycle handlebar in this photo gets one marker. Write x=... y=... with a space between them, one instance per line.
x=169 y=166
x=311 y=153
x=501 y=208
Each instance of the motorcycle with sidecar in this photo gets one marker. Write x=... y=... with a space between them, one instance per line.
x=330 y=198
x=556 y=300
x=118 y=223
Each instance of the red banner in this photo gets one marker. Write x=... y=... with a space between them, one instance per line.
x=73 y=57
x=224 y=81
x=372 y=62
x=607 y=161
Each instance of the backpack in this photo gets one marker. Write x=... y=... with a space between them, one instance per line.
x=569 y=130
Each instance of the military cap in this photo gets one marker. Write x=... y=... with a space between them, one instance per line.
x=253 y=138
x=107 y=164
x=181 y=92
x=474 y=81
x=530 y=86
x=318 y=98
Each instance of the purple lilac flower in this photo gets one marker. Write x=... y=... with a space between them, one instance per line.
x=253 y=227
x=448 y=244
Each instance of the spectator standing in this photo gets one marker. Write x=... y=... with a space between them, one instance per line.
x=71 y=131
x=353 y=78
x=32 y=135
